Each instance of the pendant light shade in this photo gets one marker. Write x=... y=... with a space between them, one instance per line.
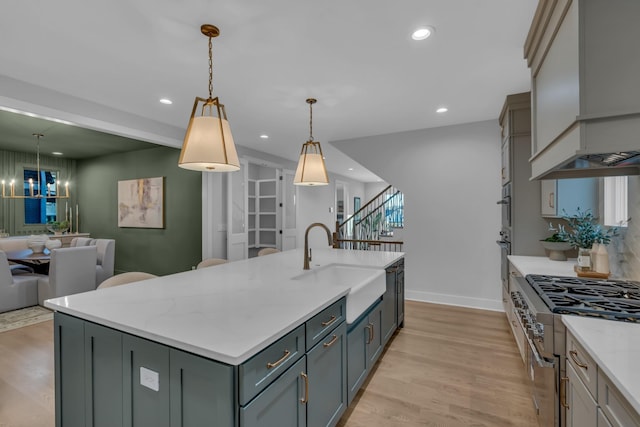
x=208 y=144
x=311 y=168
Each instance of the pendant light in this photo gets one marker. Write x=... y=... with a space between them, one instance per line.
x=311 y=169
x=34 y=192
x=208 y=144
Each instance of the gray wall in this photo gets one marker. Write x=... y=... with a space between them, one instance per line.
x=450 y=177
x=177 y=247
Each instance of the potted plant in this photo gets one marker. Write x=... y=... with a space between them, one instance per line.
x=585 y=231
x=58 y=227
x=556 y=245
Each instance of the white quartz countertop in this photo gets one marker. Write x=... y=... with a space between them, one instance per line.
x=615 y=347
x=228 y=312
x=542 y=265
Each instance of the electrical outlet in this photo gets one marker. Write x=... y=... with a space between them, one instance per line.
x=150 y=379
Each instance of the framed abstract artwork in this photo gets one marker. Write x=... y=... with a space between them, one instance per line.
x=141 y=203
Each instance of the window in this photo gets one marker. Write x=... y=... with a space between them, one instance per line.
x=39 y=210
x=616 y=212
x=394 y=211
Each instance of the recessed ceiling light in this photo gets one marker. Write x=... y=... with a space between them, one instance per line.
x=442 y=110
x=166 y=101
x=350 y=169
x=57 y=153
x=422 y=33
x=264 y=136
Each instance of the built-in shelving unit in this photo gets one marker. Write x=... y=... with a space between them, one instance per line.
x=263 y=208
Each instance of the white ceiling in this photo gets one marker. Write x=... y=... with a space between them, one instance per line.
x=355 y=56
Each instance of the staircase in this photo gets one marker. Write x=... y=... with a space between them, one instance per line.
x=371 y=227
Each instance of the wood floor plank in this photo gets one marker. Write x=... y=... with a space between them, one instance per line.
x=449 y=366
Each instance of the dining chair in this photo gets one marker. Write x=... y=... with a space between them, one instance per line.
x=267 y=251
x=125 y=278
x=71 y=271
x=106 y=259
x=210 y=262
x=80 y=241
x=16 y=291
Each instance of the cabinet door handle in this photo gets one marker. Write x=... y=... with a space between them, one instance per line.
x=279 y=361
x=305 y=399
x=563 y=392
x=330 y=343
x=574 y=356
x=371 y=335
x=552 y=199
x=330 y=321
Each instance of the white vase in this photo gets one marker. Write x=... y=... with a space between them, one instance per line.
x=594 y=256
x=602 y=260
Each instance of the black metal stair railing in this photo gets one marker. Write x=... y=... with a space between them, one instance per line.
x=370 y=228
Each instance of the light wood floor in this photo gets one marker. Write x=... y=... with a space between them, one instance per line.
x=449 y=366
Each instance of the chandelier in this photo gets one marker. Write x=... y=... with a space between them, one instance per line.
x=311 y=169
x=208 y=144
x=35 y=189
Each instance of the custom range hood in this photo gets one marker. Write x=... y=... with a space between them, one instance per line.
x=585 y=89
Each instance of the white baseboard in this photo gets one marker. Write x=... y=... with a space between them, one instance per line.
x=471 y=302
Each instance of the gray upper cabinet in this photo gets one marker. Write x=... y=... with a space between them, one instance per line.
x=585 y=82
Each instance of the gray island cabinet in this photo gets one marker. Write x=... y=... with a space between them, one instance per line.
x=116 y=376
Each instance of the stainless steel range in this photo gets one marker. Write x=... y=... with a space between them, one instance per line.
x=537 y=303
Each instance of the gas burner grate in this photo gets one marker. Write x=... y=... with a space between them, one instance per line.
x=610 y=299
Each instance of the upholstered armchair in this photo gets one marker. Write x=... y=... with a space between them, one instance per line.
x=106 y=259
x=81 y=241
x=71 y=271
x=16 y=291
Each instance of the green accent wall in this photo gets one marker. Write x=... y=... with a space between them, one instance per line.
x=172 y=249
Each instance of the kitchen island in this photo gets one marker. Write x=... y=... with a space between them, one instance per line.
x=218 y=343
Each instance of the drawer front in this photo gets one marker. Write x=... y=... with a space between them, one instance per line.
x=324 y=322
x=615 y=407
x=259 y=371
x=584 y=365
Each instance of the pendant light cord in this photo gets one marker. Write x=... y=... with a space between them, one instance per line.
x=210 y=69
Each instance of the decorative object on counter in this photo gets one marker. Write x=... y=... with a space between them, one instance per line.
x=208 y=145
x=556 y=247
x=37 y=243
x=602 y=259
x=141 y=203
x=590 y=273
x=35 y=193
x=311 y=168
x=58 y=227
x=585 y=231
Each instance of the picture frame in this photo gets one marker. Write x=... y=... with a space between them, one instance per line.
x=141 y=203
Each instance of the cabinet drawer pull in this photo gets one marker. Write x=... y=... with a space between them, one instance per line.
x=305 y=399
x=270 y=365
x=574 y=356
x=330 y=321
x=369 y=337
x=563 y=392
x=330 y=343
